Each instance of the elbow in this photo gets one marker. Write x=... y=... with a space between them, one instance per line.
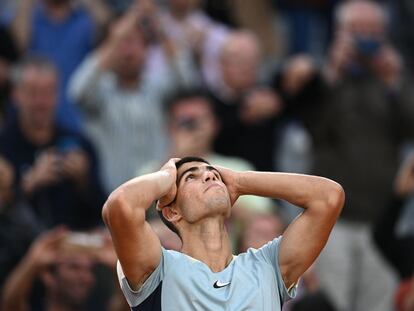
x=335 y=199
x=114 y=205
x=118 y=210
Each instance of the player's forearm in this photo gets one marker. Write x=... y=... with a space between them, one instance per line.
x=305 y=191
x=142 y=191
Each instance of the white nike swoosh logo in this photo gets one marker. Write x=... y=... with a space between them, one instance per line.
x=219 y=284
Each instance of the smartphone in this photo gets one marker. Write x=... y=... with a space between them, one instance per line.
x=82 y=242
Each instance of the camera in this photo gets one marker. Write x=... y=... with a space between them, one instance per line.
x=367 y=46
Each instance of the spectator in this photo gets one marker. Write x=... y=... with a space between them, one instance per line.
x=246 y=111
x=65 y=269
x=357 y=127
x=55 y=169
x=62 y=32
x=120 y=98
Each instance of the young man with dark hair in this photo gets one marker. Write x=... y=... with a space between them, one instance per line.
x=196 y=198
x=178 y=164
x=193 y=126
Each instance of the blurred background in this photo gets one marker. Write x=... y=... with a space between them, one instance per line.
x=95 y=92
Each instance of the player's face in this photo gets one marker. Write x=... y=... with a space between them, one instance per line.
x=201 y=192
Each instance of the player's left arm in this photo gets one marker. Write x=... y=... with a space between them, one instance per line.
x=322 y=200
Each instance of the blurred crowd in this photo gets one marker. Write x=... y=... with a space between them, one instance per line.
x=95 y=92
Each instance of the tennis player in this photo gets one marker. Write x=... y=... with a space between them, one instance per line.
x=194 y=200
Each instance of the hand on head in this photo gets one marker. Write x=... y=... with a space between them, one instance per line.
x=231 y=179
x=171 y=169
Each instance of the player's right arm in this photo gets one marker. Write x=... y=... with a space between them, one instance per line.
x=136 y=244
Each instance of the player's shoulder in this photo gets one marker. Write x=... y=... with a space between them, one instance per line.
x=174 y=258
x=267 y=252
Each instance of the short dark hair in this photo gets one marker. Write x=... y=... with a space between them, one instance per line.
x=32 y=60
x=180 y=95
x=178 y=165
x=190 y=159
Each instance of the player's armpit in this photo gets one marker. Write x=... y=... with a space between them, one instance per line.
x=307 y=235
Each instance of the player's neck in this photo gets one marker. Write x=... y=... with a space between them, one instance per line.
x=208 y=242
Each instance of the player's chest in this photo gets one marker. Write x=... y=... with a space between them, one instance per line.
x=237 y=288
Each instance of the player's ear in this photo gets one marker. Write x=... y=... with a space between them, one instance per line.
x=171 y=213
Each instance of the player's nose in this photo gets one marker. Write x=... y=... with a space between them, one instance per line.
x=208 y=175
